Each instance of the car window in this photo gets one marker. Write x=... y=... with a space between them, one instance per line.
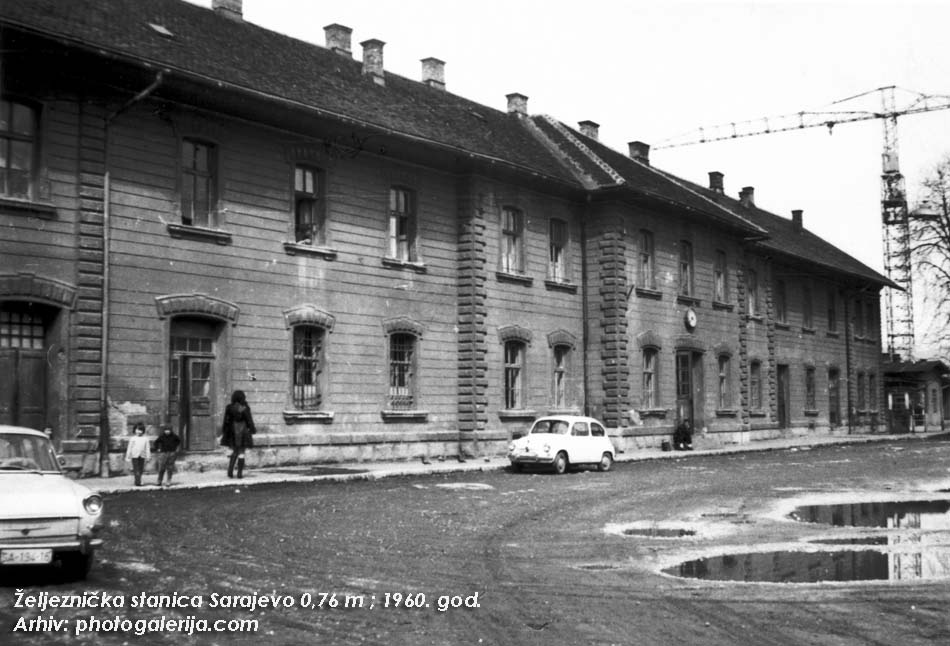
x=580 y=428
x=26 y=453
x=560 y=427
x=597 y=430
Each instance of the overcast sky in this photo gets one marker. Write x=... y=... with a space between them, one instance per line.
x=651 y=71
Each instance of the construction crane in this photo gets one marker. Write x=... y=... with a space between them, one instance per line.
x=899 y=303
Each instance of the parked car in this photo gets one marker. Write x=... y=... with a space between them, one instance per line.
x=562 y=441
x=45 y=517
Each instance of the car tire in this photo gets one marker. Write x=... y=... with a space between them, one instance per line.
x=517 y=467
x=560 y=463
x=76 y=565
x=606 y=461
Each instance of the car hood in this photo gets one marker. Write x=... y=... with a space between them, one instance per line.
x=537 y=440
x=35 y=495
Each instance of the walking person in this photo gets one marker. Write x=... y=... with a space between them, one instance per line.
x=166 y=449
x=237 y=431
x=138 y=451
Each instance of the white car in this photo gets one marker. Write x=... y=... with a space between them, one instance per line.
x=44 y=516
x=561 y=441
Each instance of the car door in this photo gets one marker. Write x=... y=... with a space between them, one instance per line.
x=580 y=443
x=599 y=440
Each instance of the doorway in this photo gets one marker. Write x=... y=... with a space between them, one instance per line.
x=23 y=364
x=192 y=382
x=784 y=396
x=834 y=397
x=689 y=388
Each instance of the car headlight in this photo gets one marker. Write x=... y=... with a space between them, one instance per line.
x=92 y=504
x=511 y=448
x=547 y=448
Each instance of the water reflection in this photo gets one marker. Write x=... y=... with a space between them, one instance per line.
x=913 y=514
x=788 y=567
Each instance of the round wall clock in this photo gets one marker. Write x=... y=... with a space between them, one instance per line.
x=690 y=319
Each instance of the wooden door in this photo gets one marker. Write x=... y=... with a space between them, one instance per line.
x=783 y=397
x=23 y=387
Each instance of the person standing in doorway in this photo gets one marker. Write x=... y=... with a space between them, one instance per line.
x=237 y=431
x=166 y=449
x=138 y=452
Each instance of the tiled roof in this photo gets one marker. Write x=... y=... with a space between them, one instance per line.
x=915 y=367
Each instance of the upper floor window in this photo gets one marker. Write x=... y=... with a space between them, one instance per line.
x=808 y=317
x=514 y=382
x=308 y=367
x=810 y=400
x=858 y=318
x=402 y=373
x=755 y=385
x=198 y=183
x=870 y=319
x=557 y=267
x=562 y=354
x=720 y=279
x=512 y=240
x=650 y=386
x=862 y=395
x=18 y=146
x=781 y=302
x=645 y=264
x=832 y=308
x=752 y=293
x=309 y=215
x=686 y=269
x=402 y=225
x=725 y=382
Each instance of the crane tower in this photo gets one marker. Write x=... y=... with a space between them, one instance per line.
x=895 y=216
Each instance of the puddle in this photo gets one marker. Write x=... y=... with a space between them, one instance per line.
x=660 y=532
x=598 y=566
x=912 y=514
x=864 y=540
x=817 y=567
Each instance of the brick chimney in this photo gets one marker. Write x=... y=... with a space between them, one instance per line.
x=228 y=8
x=433 y=73
x=747 y=196
x=797 y=219
x=640 y=151
x=517 y=104
x=338 y=39
x=373 y=60
x=715 y=181
x=589 y=129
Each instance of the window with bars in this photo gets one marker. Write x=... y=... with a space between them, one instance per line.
x=309 y=213
x=402 y=224
x=645 y=265
x=18 y=147
x=402 y=349
x=20 y=329
x=686 y=268
x=512 y=240
x=810 y=399
x=562 y=355
x=308 y=367
x=557 y=268
x=649 y=397
x=514 y=375
x=198 y=183
x=755 y=385
x=720 y=278
x=725 y=381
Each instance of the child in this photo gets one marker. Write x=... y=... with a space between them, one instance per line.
x=138 y=451
x=166 y=446
x=683 y=437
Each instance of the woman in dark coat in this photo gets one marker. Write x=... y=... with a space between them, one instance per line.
x=238 y=431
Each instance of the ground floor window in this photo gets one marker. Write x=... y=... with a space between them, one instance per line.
x=514 y=374
x=402 y=350
x=308 y=367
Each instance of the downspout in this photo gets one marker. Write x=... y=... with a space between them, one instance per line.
x=848 y=331
x=585 y=317
x=104 y=430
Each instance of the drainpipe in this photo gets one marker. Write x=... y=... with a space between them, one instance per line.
x=848 y=330
x=104 y=430
x=585 y=318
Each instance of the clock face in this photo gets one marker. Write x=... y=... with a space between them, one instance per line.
x=691 y=318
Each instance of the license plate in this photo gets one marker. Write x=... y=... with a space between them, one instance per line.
x=26 y=557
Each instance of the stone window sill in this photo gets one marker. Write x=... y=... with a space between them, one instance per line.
x=781 y=326
x=506 y=277
x=808 y=330
x=561 y=286
x=45 y=210
x=659 y=413
x=297 y=248
x=719 y=305
x=685 y=299
x=305 y=416
x=393 y=415
x=517 y=414
x=199 y=233
x=648 y=292
x=727 y=412
x=756 y=318
x=832 y=335
x=757 y=413
x=810 y=412
x=396 y=263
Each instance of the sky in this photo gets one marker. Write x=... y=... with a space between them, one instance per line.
x=653 y=71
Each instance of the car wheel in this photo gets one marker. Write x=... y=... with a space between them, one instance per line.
x=606 y=461
x=77 y=565
x=517 y=467
x=560 y=463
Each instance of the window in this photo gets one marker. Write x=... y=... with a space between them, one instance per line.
x=686 y=269
x=752 y=293
x=21 y=329
x=401 y=371
x=650 y=396
x=720 y=279
x=872 y=391
x=832 y=310
x=562 y=355
x=862 y=395
x=402 y=225
x=308 y=206
x=808 y=318
x=308 y=367
x=18 y=148
x=810 y=389
x=645 y=273
x=198 y=183
x=725 y=384
x=834 y=398
x=557 y=267
x=870 y=320
x=755 y=385
x=514 y=375
x=512 y=240
x=781 y=302
x=858 y=318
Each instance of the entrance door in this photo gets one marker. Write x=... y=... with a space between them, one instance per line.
x=689 y=387
x=834 y=398
x=23 y=387
x=783 y=397
x=191 y=383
